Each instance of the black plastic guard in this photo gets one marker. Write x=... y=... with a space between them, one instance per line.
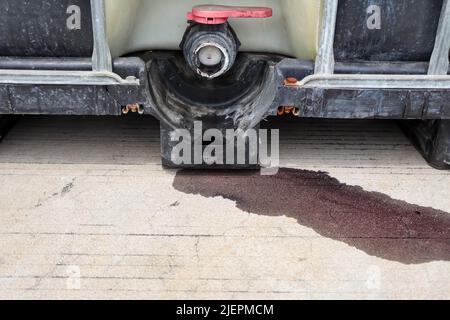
x=432 y=139
x=241 y=99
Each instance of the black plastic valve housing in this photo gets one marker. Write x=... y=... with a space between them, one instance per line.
x=221 y=35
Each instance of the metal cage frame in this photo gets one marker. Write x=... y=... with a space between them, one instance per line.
x=323 y=77
x=101 y=74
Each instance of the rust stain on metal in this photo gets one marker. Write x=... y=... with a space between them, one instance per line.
x=372 y=222
x=133 y=108
x=291 y=81
x=287 y=110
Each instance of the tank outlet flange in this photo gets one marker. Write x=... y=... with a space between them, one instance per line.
x=210 y=45
x=210 y=50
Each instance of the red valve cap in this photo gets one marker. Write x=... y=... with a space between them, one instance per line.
x=214 y=14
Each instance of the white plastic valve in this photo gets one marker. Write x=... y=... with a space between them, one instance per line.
x=210 y=56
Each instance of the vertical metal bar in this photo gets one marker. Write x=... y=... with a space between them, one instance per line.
x=101 y=57
x=325 y=54
x=439 y=62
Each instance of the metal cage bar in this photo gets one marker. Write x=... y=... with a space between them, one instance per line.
x=101 y=57
x=439 y=62
x=325 y=54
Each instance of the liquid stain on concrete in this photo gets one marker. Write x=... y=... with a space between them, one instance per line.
x=372 y=222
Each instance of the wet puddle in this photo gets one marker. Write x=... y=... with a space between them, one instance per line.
x=369 y=221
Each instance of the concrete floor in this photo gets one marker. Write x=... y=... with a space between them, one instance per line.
x=87 y=211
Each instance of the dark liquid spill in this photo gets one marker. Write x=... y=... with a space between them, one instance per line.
x=372 y=222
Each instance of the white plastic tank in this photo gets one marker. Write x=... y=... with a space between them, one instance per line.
x=142 y=25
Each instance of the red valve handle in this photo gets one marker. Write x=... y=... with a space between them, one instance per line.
x=214 y=14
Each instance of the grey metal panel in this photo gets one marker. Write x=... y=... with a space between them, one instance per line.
x=46 y=28
x=386 y=30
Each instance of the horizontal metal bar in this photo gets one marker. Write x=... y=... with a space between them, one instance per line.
x=439 y=62
x=382 y=67
x=31 y=63
x=365 y=81
x=49 y=77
